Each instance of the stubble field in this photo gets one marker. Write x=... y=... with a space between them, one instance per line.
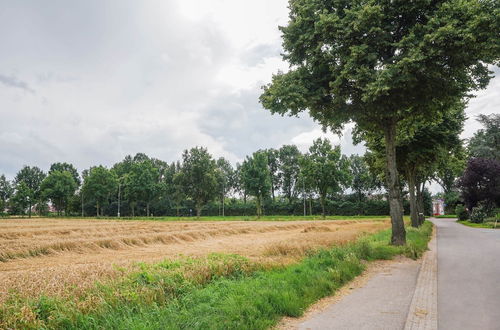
x=58 y=257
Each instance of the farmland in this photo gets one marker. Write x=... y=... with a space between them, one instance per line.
x=65 y=257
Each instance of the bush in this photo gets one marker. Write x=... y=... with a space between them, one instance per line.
x=478 y=214
x=461 y=212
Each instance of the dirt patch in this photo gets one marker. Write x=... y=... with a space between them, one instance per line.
x=51 y=255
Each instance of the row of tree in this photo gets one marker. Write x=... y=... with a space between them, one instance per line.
x=394 y=68
x=140 y=184
x=136 y=183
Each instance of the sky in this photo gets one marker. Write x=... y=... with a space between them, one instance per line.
x=89 y=82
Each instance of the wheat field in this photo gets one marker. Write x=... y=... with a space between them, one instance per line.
x=65 y=257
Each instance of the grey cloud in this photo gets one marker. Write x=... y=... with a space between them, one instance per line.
x=15 y=83
x=119 y=78
x=259 y=53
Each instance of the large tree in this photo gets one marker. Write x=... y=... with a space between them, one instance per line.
x=175 y=187
x=32 y=177
x=58 y=187
x=225 y=175
x=256 y=178
x=486 y=142
x=66 y=167
x=289 y=156
x=326 y=169
x=363 y=181
x=99 y=185
x=421 y=147
x=273 y=164
x=199 y=177
x=142 y=184
x=378 y=62
x=21 y=199
x=6 y=191
x=480 y=183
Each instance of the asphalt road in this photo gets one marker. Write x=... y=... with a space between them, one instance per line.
x=468 y=276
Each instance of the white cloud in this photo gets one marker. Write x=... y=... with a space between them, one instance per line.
x=89 y=82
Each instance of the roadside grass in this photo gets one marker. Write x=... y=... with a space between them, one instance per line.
x=217 y=292
x=489 y=224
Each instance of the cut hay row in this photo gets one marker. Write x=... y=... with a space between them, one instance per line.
x=20 y=244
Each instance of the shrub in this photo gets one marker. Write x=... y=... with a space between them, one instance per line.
x=461 y=212
x=478 y=214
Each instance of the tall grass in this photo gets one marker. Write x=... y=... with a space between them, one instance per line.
x=220 y=292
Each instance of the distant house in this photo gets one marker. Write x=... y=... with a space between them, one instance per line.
x=438 y=206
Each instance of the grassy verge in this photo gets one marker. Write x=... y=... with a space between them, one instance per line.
x=217 y=292
x=490 y=225
x=230 y=218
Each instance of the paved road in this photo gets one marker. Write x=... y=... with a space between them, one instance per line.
x=382 y=303
x=468 y=276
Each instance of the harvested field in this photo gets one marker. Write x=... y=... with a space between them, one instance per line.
x=63 y=257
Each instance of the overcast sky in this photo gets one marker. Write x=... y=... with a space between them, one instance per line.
x=89 y=82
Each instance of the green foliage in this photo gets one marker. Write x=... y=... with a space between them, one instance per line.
x=363 y=180
x=21 y=200
x=288 y=157
x=255 y=176
x=58 y=187
x=6 y=191
x=461 y=212
x=66 y=167
x=198 y=176
x=98 y=186
x=273 y=165
x=451 y=200
x=326 y=169
x=225 y=178
x=478 y=214
x=486 y=142
x=379 y=63
x=142 y=183
x=32 y=178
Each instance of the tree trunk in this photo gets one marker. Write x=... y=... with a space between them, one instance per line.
x=29 y=210
x=395 y=200
x=132 y=206
x=259 y=207
x=322 y=201
x=198 y=210
x=420 y=202
x=147 y=209
x=177 y=210
x=310 y=206
x=97 y=209
x=223 y=200
x=410 y=176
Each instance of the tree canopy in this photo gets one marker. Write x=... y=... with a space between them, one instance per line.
x=58 y=187
x=256 y=177
x=486 y=142
x=379 y=62
x=326 y=169
x=98 y=185
x=198 y=176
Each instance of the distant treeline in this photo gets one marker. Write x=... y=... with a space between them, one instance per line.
x=280 y=181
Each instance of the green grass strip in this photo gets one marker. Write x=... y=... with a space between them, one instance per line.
x=488 y=225
x=233 y=300
x=229 y=218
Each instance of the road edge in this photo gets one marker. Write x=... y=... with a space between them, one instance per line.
x=422 y=314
